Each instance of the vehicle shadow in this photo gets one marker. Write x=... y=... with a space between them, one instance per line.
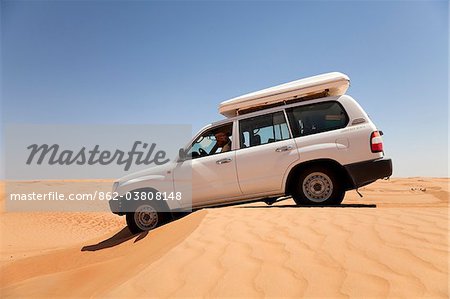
x=120 y=237
x=124 y=235
x=315 y=207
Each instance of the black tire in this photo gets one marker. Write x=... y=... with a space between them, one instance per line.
x=145 y=217
x=317 y=186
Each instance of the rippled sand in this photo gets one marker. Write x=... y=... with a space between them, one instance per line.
x=393 y=242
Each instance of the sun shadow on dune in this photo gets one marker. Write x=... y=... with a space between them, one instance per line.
x=304 y=206
x=124 y=235
x=119 y=238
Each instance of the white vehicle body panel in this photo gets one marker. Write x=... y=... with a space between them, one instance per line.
x=211 y=182
x=158 y=178
x=262 y=168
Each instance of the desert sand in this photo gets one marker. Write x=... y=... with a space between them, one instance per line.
x=393 y=242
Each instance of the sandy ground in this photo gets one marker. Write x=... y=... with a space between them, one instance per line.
x=393 y=242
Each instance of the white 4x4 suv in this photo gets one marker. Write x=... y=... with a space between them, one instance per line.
x=306 y=139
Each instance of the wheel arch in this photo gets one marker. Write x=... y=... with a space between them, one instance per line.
x=342 y=174
x=127 y=205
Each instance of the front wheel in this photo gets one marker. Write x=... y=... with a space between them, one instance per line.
x=317 y=186
x=144 y=218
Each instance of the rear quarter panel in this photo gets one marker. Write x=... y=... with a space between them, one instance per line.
x=348 y=145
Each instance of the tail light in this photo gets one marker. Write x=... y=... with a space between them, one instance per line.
x=376 y=142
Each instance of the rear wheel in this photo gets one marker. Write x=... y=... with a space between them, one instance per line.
x=145 y=217
x=317 y=186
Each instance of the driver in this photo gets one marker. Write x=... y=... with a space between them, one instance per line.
x=222 y=141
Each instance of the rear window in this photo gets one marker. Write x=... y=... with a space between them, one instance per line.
x=263 y=129
x=316 y=118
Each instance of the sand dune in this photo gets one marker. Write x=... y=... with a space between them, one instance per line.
x=391 y=243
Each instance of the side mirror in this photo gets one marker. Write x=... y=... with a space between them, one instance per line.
x=181 y=155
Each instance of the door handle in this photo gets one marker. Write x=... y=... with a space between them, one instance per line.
x=284 y=148
x=223 y=161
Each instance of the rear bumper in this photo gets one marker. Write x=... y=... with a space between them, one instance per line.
x=363 y=173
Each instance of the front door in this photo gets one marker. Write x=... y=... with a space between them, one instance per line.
x=212 y=167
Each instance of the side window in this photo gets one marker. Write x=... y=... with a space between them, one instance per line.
x=316 y=118
x=213 y=141
x=263 y=129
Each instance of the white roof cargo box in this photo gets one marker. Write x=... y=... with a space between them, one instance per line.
x=329 y=84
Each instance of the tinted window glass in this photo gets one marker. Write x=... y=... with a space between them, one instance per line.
x=316 y=118
x=263 y=129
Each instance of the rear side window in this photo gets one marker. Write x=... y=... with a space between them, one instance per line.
x=263 y=129
x=316 y=118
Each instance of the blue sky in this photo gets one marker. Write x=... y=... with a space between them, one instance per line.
x=174 y=62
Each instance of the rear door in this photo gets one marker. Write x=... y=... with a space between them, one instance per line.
x=266 y=152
